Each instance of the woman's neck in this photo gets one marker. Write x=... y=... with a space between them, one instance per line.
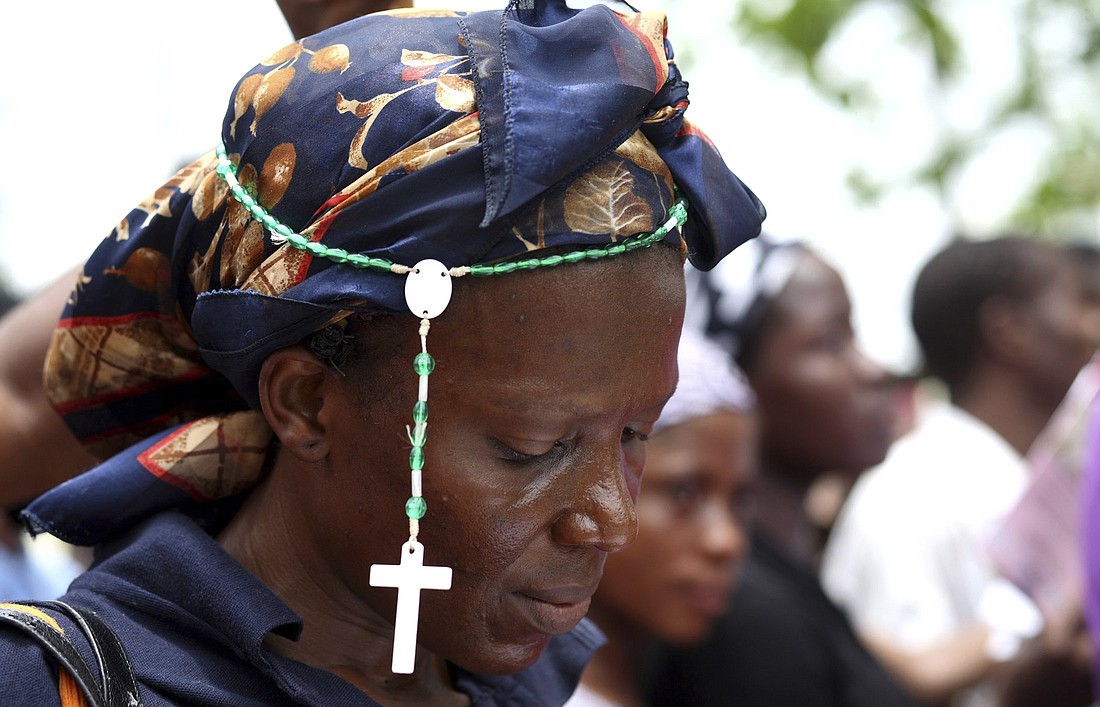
x=613 y=672
x=340 y=633
x=781 y=514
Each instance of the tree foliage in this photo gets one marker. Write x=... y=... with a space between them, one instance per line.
x=1055 y=57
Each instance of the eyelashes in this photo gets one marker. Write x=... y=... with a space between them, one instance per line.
x=558 y=451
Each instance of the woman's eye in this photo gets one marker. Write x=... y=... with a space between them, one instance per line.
x=685 y=494
x=509 y=453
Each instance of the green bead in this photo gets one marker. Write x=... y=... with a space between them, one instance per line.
x=423 y=364
x=420 y=411
x=552 y=260
x=416 y=458
x=573 y=256
x=416 y=507
x=616 y=249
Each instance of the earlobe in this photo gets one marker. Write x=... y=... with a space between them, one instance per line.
x=292 y=394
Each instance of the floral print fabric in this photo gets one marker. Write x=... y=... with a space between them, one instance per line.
x=403 y=135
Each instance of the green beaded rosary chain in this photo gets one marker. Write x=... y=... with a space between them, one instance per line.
x=428 y=287
x=281 y=233
x=424 y=364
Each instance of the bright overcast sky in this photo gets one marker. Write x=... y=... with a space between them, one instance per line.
x=100 y=102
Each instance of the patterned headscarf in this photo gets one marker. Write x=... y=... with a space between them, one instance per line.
x=709 y=382
x=728 y=303
x=467 y=138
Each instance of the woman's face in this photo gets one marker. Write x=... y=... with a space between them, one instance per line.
x=545 y=386
x=823 y=405
x=693 y=518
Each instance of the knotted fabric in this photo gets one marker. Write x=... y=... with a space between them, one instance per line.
x=412 y=134
x=728 y=303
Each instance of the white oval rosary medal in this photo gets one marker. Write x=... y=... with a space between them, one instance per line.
x=428 y=289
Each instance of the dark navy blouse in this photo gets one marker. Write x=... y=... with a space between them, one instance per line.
x=193 y=621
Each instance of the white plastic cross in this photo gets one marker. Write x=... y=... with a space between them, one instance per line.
x=409 y=578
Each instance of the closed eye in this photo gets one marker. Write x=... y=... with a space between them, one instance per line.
x=557 y=450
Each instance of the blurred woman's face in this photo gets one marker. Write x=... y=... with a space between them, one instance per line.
x=676 y=578
x=823 y=405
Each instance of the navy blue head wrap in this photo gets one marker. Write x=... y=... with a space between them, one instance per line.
x=462 y=137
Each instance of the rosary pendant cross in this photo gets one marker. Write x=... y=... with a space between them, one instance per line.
x=409 y=578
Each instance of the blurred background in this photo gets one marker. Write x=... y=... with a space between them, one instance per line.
x=872 y=129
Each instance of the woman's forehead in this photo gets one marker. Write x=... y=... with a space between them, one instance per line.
x=814 y=287
x=555 y=330
x=616 y=286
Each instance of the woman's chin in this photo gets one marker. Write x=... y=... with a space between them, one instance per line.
x=503 y=659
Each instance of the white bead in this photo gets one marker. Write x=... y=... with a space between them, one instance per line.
x=428 y=289
x=417 y=483
x=423 y=392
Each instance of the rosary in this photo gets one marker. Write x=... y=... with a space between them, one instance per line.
x=427 y=292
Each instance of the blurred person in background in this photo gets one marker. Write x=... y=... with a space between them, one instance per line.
x=28 y=570
x=784 y=316
x=1002 y=323
x=694 y=511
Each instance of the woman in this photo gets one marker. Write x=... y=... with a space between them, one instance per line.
x=676 y=579
x=785 y=317
x=263 y=330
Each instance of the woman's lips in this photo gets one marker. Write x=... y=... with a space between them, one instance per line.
x=711 y=599
x=554 y=611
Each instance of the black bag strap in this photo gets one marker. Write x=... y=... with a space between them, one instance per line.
x=59 y=647
x=115 y=669
x=117 y=686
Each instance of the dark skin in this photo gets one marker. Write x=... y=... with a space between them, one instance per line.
x=823 y=405
x=33 y=436
x=546 y=384
x=1030 y=353
x=677 y=577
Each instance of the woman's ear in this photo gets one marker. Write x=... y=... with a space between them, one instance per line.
x=292 y=394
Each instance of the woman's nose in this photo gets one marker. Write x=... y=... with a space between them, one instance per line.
x=723 y=536
x=601 y=512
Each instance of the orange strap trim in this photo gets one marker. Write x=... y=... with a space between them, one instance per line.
x=71 y=696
